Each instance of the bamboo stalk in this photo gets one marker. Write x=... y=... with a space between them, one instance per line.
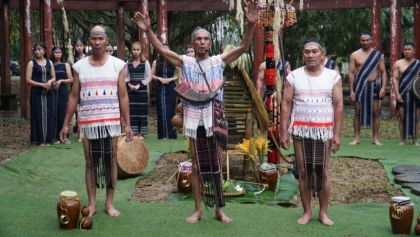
x=260 y=111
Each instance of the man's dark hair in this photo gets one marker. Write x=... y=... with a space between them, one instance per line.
x=365 y=32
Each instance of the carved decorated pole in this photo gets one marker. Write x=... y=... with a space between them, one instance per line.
x=273 y=17
x=271 y=102
x=266 y=21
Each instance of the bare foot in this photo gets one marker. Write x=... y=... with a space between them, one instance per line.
x=304 y=219
x=325 y=220
x=111 y=211
x=416 y=143
x=354 y=142
x=221 y=216
x=92 y=210
x=377 y=143
x=401 y=143
x=194 y=218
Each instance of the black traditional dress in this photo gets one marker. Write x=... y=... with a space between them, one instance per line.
x=165 y=100
x=60 y=99
x=41 y=106
x=139 y=100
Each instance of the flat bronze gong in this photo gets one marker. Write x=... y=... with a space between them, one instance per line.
x=407 y=178
x=415 y=188
x=406 y=169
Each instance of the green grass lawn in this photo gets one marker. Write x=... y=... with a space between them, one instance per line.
x=30 y=185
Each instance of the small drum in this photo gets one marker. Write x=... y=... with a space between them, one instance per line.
x=401 y=213
x=133 y=157
x=68 y=209
x=415 y=88
x=269 y=177
x=184 y=177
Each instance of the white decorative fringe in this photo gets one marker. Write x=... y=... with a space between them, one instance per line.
x=276 y=28
x=316 y=133
x=240 y=15
x=100 y=131
x=240 y=62
x=231 y=3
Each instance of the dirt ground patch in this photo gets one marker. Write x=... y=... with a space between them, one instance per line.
x=353 y=180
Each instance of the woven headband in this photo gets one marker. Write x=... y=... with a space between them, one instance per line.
x=98 y=33
x=313 y=43
x=409 y=46
x=365 y=35
x=199 y=30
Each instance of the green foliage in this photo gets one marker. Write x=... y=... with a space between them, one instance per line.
x=339 y=30
x=336 y=28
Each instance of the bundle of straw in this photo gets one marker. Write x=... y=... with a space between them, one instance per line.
x=259 y=107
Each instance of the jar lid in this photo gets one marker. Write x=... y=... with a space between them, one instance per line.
x=185 y=164
x=400 y=199
x=267 y=166
x=66 y=195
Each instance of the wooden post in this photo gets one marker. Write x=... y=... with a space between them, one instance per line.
x=417 y=27
x=45 y=28
x=376 y=24
x=6 y=87
x=395 y=48
x=25 y=54
x=163 y=21
x=258 y=51
x=144 y=41
x=248 y=135
x=121 y=32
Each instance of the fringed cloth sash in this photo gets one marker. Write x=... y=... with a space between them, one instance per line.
x=365 y=72
x=220 y=126
x=314 y=153
x=410 y=103
x=281 y=68
x=100 y=151
x=330 y=64
x=409 y=75
x=364 y=90
x=208 y=160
